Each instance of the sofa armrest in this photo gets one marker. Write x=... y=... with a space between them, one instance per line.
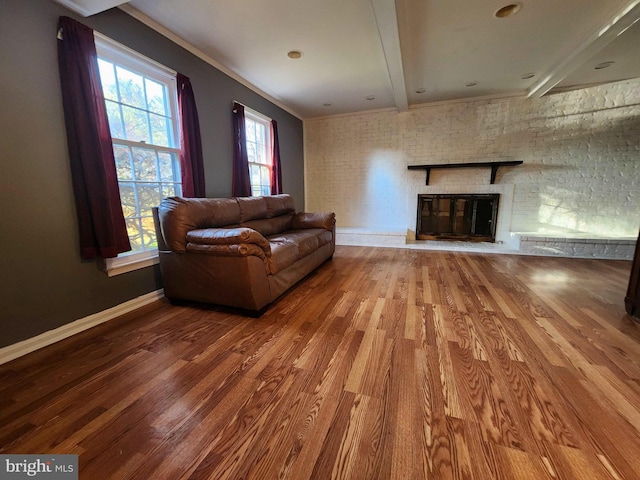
x=230 y=250
x=324 y=220
x=229 y=236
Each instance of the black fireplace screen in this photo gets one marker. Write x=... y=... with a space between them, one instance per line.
x=457 y=217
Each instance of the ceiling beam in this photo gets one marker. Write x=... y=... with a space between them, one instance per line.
x=87 y=8
x=615 y=26
x=387 y=23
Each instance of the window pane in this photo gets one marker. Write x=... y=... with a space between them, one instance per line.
x=262 y=155
x=144 y=164
x=128 y=199
x=123 y=162
x=252 y=155
x=135 y=237
x=148 y=233
x=108 y=80
x=131 y=87
x=251 y=132
x=160 y=130
x=148 y=197
x=259 y=133
x=169 y=169
x=135 y=124
x=168 y=191
x=265 y=176
x=115 y=119
x=255 y=174
x=156 y=99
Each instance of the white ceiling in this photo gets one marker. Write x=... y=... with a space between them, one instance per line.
x=353 y=49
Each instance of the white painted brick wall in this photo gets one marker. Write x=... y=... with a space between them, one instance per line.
x=583 y=248
x=581 y=153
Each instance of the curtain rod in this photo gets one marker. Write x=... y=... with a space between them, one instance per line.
x=113 y=44
x=254 y=112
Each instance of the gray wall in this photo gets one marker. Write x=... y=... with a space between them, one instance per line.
x=44 y=283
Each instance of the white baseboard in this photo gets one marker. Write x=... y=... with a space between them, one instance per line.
x=363 y=237
x=19 y=349
x=370 y=238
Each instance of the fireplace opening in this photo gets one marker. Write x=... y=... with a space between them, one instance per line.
x=457 y=217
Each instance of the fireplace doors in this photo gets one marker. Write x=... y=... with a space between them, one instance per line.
x=457 y=217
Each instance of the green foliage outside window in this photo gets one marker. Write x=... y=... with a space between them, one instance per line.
x=146 y=155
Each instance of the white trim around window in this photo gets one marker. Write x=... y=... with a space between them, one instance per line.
x=130 y=57
x=128 y=262
x=121 y=56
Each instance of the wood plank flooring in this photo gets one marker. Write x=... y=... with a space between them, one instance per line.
x=383 y=364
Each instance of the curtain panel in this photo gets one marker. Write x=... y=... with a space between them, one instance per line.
x=276 y=171
x=191 y=158
x=240 y=182
x=102 y=228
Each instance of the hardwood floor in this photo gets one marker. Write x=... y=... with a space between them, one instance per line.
x=383 y=364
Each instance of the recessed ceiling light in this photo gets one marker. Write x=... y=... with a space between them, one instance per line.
x=327 y=104
x=370 y=97
x=470 y=84
x=602 y=65
x=421 y=90
x=508 y=10
x=525 y=76
x=295 y=54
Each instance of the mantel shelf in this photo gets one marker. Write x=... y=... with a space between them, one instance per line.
x=493 y=165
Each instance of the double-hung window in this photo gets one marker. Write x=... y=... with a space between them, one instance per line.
x=258 y=131
x=140 y=97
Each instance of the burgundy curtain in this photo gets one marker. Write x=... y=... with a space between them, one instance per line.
x=191 y=158
x=276 y=172
x=240 y=183
x=102 y=228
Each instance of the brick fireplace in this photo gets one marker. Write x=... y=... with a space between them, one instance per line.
x=573 y=196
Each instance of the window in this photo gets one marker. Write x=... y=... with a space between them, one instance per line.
x=140 y=96
x=258 y=130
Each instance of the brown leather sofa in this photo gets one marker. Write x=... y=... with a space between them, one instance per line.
x=240 y=252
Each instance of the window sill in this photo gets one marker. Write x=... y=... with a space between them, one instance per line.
x=129 y=262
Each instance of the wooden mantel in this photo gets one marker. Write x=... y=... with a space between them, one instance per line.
x=494 y=167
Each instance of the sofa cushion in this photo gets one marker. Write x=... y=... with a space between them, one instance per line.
x=178 y=216
x=279 y=205
x=236 y=250
x=283 y=254
x=252 y=208
x=270 y=226
x=324 y=236
x=305 y=240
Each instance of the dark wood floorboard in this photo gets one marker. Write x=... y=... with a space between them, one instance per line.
x=382 y=364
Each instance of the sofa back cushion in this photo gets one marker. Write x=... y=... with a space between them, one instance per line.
x=252 y=208
x=268 y=215
x=178 y=216
x=270 y=226
x=279 y=205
